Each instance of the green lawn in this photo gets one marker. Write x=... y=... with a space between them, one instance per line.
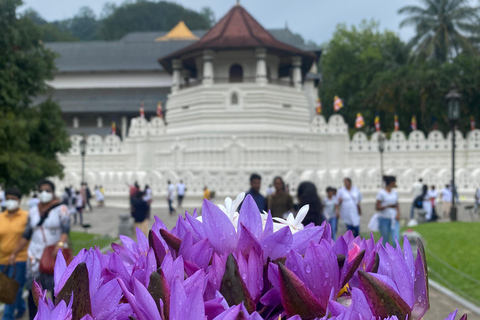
x=82 y=240
x=453 y=256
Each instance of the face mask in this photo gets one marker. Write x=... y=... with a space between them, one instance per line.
x=11 y=205
x=45 y=196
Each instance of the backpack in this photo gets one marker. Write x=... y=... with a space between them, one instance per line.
x=418 y=202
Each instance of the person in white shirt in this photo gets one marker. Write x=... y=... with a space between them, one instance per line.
x=170 y=197
x=331 y=210
x=349 y=198
x=433 y=194
x=388 y=210
x=446 y=196
x=148 y=199
x=181 y=188
x=34 y=201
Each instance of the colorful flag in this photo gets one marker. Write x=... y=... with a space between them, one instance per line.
x=377 y=123
x=359 y=122
x=337 y=104
x=159 y=110
x=114 y=128
x=142 y=111
x=396 y=123
x=413 y=124
x=319 y=106
x=472 y=123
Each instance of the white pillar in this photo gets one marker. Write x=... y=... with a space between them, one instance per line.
x=261 y=65
x=99 y=122
x=124 y=127
x=207 y=67
x=75 y=122
x=177 y=74
x=297 y=72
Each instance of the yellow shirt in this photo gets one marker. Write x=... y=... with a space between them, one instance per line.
x=11 y=231
x=206 y=194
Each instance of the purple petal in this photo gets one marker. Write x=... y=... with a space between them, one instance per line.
x=200 y=253
x=422 y=303
x=218 y=228
x=250 y=217
x=278 y=244
x=247 y=241
x=106 y=299
x=295 y=263
x=254 y=278
x=321 y=271
x=159 y=246
x=268 y=226
x=302 y=238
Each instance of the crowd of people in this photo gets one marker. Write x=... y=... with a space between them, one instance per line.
x=25 y=239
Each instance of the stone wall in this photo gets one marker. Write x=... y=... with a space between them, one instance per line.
x=224 y=161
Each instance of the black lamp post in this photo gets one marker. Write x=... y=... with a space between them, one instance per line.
x=83 y=151
x=381 y=149
x=452 y=99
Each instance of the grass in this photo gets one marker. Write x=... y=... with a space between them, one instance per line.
x=82 y=240
x=453 y=256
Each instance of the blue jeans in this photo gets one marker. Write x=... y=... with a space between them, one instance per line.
x=385 y=228
x=333 y=226
x=19 y=304
x=355 y=230
x=170 y=206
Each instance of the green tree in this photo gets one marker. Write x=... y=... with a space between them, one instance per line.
x=150 y=16
x=350 y=62
x=30 y=136
x=50 y=32
x=84 y=25
x=444 y=28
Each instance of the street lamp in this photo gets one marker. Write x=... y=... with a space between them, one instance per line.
x=83 y=151
x=381 y=149
x=452 y=99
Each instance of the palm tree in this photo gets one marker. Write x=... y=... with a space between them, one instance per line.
x=444 y=28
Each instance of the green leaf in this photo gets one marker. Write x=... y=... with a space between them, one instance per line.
x=233 y=288
x=77 y=285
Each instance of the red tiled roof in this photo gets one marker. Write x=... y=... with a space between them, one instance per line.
x=238 y=29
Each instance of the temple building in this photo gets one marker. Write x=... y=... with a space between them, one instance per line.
x=101 y=82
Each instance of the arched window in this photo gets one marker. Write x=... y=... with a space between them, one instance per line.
x=234 y=99
x=236 y=73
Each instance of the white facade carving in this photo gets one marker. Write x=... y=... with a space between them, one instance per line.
x=223 y=160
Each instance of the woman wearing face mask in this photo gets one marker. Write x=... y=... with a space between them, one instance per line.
x=12 y=226
x=48 y=224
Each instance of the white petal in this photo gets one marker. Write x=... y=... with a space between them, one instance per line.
x=239 y=200
x=223 y=209
x=301 y=214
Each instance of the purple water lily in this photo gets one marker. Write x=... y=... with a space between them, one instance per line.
x=240 y=265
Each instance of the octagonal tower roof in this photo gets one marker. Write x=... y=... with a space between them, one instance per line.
x=239 y=30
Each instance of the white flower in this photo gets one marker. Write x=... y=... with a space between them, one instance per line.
x=295 y=223
x=230 y=208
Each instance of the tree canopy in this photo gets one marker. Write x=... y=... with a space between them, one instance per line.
x=116 y=21
x=30 y=136
x=372 y=71
x=444 y=28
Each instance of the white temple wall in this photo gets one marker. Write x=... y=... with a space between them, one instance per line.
x=224 y=161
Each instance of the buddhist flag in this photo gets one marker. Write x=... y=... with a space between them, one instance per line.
x=359 y=122
x=413 y=124
x=377 y=123
x=472 y=123
x=159 y=110
x=337 y=104
x=396 y=124
x=319 y=106
x=114 y=128
x=142 y=111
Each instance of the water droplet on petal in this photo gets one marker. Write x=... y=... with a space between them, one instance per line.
x=327 y=275
x=308 y=268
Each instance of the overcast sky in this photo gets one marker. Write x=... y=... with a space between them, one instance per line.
x=313 y=19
